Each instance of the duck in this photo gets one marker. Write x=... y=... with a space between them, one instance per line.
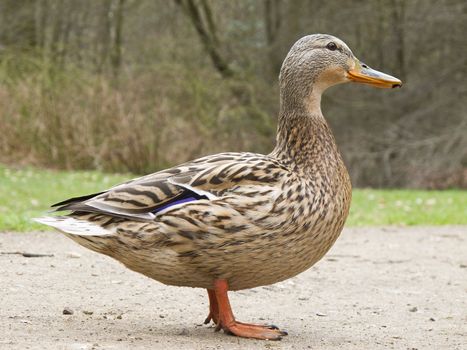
x=234 y=221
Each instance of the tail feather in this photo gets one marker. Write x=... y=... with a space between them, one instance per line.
x=75 y=226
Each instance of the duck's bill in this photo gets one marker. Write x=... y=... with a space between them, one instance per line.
x=366 y=75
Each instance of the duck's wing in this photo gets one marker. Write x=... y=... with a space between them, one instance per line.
x=206 y=178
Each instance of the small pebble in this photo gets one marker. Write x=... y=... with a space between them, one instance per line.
x=67 y=311
x=184 y=332
x=413 y=309
x=86 y=312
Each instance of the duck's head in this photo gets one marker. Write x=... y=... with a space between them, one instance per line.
x=318 y=61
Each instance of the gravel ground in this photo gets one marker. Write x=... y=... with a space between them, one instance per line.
x=378 y=288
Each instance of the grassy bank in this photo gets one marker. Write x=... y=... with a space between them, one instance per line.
x=27 y=193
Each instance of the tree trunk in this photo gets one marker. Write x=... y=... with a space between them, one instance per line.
x=116 y=54
x=200 y=14
x=272 y=26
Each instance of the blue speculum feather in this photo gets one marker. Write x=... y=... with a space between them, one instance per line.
x=186 y=196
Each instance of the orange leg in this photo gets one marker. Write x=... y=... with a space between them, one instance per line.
x=220 y=305
x=213 y=308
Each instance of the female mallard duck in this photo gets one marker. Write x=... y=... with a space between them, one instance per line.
x=233 y=221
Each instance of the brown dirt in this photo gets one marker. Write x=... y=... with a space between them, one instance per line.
x=378 y=288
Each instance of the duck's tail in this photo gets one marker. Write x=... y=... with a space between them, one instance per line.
x=86 y=233
x=75 y=226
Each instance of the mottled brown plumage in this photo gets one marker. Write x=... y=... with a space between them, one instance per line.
x=256 y=219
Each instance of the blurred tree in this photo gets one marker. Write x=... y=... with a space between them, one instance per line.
x=201 y=75
x=272 y=23
x=200 y=14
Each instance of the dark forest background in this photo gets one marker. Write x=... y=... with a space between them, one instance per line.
x=129 y=85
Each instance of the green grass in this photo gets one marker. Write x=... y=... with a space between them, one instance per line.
x=408 y=207
x=28 y=193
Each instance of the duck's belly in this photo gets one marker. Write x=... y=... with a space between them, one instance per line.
x=281 y=259
x=262 y=259
x=295 y=244
x=247 y=256
x=253 y=264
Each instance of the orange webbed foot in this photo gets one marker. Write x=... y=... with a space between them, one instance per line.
x=221 y=314
x=247 y=330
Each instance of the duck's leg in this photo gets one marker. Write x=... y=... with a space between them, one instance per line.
x=227 y=322
x=213 y=308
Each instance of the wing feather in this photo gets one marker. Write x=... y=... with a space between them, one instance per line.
x=205 y=178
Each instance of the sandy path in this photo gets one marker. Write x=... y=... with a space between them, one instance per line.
x=389 y=288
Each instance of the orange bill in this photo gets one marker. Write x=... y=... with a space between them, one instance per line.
x=366 y=75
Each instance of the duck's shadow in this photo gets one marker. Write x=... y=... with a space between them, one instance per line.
x=186 y=334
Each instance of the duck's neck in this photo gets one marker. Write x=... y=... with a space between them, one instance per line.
x=303 y=135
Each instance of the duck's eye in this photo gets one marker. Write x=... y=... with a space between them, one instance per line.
x=332 y=46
